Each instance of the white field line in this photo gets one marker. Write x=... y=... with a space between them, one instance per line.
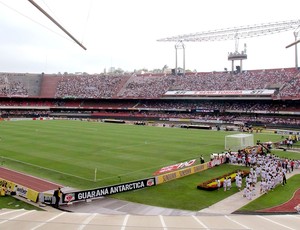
x=53 y=218
x=136 y=171
x=11 y=211
x=48 y=169
x=90 y=180
x=22 y=214
x=33 y=176
x=103 y=151
x=140 y=170
x=200 y=222
x=87 y=221
x=163 y=223
x=272 y=221
x=125 y=222
x=229 y=218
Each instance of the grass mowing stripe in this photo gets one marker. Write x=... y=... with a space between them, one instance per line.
x=77 y=148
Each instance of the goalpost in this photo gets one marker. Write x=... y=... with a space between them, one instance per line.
x=238 y=141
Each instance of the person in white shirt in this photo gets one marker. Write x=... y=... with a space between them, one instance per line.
x=248 y=194
x=262 y=186
x=218 y=184
x=225 y=184
x=228 y=183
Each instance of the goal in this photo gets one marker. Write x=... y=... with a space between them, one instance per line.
x=238 y=141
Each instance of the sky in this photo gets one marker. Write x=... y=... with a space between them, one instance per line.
x=124 y=33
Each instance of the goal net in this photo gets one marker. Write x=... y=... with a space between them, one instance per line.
x=238 y=141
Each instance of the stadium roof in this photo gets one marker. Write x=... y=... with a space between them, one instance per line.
x=236 y=32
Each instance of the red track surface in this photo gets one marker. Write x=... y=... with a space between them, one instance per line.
x=27 y=181
x=286 y=207
x=41 y=185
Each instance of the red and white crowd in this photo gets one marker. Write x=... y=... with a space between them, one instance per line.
x=269 y=171
x=131 y=85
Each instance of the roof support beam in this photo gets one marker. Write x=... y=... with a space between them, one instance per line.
x=56 y=23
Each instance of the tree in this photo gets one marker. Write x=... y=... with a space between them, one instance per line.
x=119 y=71
x=165 y=68
x=156 y=71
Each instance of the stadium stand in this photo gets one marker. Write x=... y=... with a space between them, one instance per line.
x=87 y=86
x=144 y=96
x=19 y=85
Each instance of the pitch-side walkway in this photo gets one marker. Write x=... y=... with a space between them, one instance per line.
x=96 y=215
x=236 y=201
x=114 y=206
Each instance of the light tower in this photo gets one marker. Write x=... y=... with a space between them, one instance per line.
x=179 y=45
x=296 y=50
x=236 y=55
x=295 y=44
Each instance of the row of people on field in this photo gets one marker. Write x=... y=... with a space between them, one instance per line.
x=270 y=171
x=267 y=170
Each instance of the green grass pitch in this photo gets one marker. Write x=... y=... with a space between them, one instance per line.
x=91 y=154
x=69 y=152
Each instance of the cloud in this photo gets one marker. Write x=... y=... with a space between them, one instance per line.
x=123 y=34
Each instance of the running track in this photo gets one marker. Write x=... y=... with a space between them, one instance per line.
x=31 y=182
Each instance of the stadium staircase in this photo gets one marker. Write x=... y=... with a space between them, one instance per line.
x=121 y=86
x=49 y=86
x=32 y=82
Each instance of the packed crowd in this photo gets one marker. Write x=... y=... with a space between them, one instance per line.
x=155 y=85
x=291 y=89
x=271 y=171
x=147 y=86
x=24 y=113
x=163 y=105
x=221 y=106
x=200 y=111
x=87 y=86
x=266 y=170
x=12 y=88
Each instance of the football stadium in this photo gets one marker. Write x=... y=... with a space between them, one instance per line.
x=165 y=149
